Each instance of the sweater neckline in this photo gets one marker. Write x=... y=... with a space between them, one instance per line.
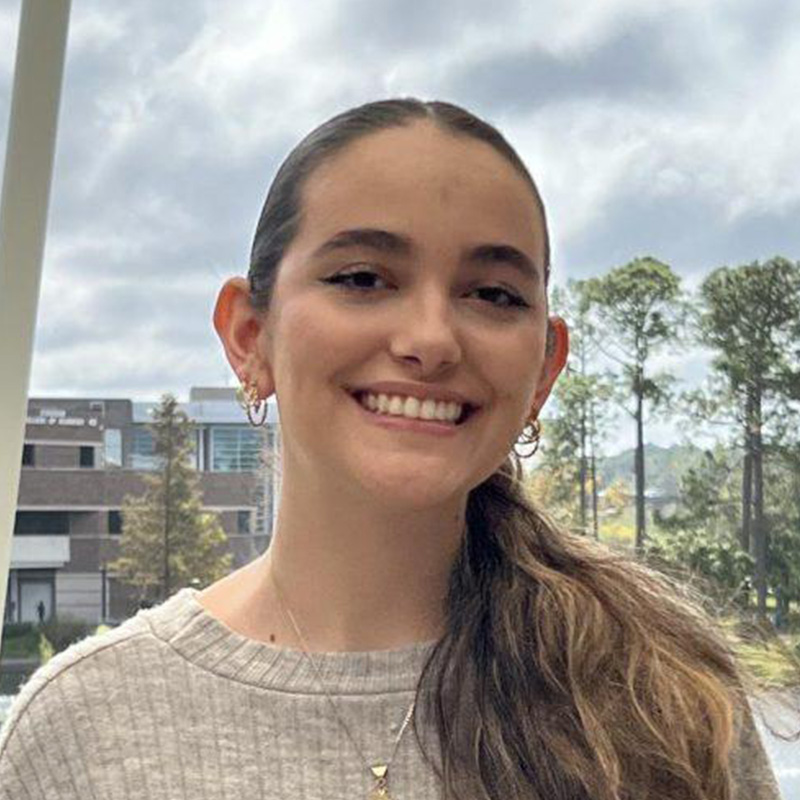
x=191 y=630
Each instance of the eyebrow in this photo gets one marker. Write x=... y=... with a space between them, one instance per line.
x=397 y=244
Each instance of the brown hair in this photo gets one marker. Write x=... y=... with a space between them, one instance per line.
x=565 y=671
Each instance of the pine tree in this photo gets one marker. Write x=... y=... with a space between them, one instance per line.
x=749 y=317
x=572 y=436
x=640 y=309
x=168 y=541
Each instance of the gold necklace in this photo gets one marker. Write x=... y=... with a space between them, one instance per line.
x=380 y=771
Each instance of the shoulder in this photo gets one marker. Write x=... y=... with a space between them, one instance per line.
x=87 y=654
x=42 y=735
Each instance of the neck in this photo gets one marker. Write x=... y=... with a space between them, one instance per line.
x=356 y=575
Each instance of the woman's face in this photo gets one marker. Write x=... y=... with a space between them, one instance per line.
x=455 y=243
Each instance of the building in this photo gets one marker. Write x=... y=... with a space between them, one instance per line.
x=81 y=458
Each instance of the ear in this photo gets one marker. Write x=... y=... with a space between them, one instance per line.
x=238 y=326
x=556 y=352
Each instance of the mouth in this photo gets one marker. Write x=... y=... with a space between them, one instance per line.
x=467 y=412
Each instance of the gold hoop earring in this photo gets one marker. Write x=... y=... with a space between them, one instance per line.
x=253 y=405
x=531 y=437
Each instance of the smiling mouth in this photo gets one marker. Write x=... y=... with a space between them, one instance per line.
x=466 y=412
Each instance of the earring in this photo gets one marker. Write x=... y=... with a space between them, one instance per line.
x=248 y=399
x=531 y=437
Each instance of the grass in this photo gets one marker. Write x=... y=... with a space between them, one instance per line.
x=25 y=646
x=769 y=664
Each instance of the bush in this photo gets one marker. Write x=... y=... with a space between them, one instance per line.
x=46 y=651
x=12 y=630
x=63 y=631
x=20 y=644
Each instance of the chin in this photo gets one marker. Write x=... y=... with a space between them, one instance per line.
x=413 y=492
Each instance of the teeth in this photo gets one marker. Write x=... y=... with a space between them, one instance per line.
x=411 y=407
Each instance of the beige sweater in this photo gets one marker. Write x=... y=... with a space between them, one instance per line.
x=173 y=705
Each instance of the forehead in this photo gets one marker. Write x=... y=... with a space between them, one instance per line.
x=420 y=179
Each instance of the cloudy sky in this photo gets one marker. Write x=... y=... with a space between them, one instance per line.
x=670 y=129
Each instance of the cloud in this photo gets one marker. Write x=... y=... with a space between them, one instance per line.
x=670 y=129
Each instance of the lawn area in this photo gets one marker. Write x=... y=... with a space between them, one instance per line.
x=770 y=665
x=21 y=646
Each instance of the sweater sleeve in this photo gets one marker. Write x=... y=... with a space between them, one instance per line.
x=43 y=750
x=753 y=777
x=37 y=757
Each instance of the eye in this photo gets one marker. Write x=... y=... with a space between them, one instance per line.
x=360 y=279
x=363 y=280
x=512 y=299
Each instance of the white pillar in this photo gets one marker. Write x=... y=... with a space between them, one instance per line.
x=38 y=73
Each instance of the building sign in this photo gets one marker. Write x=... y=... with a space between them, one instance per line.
x=57 y=416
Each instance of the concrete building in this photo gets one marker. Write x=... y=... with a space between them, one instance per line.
x=83 y=456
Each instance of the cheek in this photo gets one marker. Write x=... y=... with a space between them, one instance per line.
x=514 y=370
x=310 y=337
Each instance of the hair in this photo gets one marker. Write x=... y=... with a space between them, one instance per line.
x=566 y=671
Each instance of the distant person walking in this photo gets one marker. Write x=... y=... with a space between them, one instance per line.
x=40 y=610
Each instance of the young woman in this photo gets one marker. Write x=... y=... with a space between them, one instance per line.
x=416 y=629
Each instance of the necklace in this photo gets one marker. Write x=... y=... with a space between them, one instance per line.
x=379 y=772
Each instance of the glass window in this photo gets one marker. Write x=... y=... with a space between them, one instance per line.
x=28 y=456
x=112 y=451
x=235 y=449
x=41 y=522
x=87 y=457
x=115 y=521
x=143 y=449
x=243 y=521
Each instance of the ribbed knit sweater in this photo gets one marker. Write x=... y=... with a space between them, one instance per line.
x=174 y=705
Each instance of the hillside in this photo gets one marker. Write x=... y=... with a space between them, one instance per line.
x=663 y=466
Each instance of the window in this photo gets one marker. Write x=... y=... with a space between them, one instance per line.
x=143 y=449
x=243 y=521
x=112 y=450
x=235 y=449
x=41 y=522
x=28 y=456
x=115 y=522
x=87 y=457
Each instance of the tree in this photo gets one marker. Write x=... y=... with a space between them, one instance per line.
x=701 y=536
x=581 y=400
x=749 y=316
x=168 y=541
x=640 y=309
x=782 y=496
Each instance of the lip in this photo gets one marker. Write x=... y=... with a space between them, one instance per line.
x=419 y=390
x=400 y=423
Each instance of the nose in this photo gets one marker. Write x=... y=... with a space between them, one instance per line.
x=425 y=334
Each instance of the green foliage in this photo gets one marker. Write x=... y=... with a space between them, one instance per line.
x=640 y=304
x=782 y=484
x=63 y=630
x=750 y=317
x=771 y=665
x=20 y=640
x=640 y=308
x=702 y=536
x=665 y=466
x=581 y=414
x=169 y=517
x=12 y=630
x=46 y=649
x=702 y=552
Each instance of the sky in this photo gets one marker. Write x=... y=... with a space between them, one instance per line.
x=669 y=129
